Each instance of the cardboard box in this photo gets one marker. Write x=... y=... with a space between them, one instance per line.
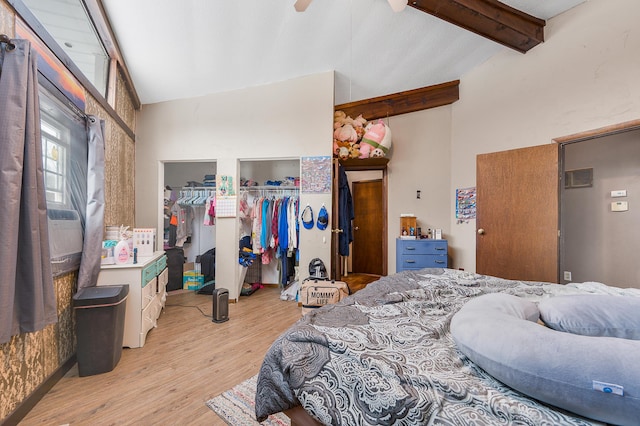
x=144 y=239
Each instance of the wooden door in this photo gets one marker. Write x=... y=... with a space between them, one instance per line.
x=358 y=165
x=518 y=213
x=367 y=227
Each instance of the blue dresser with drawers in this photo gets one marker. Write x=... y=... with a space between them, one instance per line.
x=418 y=254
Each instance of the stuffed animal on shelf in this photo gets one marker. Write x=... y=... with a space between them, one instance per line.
x=343 y=153
x=365 y=149
x=339 y=119
x=376 y=140
x=382 y=150
x=339 y=146
x=347 y=133
x=359 y=123
x=354 y=151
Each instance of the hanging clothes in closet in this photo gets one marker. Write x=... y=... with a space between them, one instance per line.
x=180 y=224
x=274 y=228
x=183 y=215
x=210 y=210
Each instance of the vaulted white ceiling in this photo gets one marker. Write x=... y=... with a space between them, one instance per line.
x=182 y=49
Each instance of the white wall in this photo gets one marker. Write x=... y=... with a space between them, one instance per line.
x=261 y=171
x=420 y=160
x=282 y=120
x=583 y=77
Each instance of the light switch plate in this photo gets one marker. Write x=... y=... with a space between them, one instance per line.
x=619 y=206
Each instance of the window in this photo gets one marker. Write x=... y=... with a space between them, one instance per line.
x=64 y=155
x=55 y=148
x=69 y=24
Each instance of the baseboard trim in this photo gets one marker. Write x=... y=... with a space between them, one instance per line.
x=27 y=405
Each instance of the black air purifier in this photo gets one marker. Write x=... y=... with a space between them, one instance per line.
x=220 y=305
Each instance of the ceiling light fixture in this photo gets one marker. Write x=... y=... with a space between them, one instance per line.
x=396 y=5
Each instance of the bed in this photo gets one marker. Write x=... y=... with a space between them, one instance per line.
x=385 y=355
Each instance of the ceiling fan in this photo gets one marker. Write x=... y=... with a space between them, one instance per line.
x=396 y=5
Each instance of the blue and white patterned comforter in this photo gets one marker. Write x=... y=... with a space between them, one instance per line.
x=385 y=356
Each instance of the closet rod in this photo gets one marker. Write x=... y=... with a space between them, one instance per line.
x=200 y=188
x=270 y=188
x=270 y=191
x=5 y=39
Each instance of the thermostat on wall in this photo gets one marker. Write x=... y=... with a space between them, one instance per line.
x=619 y=206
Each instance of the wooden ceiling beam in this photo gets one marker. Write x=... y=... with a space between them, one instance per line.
x=488 y=18
x=403 y=102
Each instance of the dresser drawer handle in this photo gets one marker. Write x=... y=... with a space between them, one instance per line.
x=409 y=248
x=440 y=248
x=410 y=261
x=439 y=261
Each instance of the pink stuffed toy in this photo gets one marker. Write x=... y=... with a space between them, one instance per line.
x=346 y=133
x=372 y=139
x=365 y=149
x=382 y=150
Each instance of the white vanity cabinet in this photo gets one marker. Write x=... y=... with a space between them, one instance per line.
x=147 y=281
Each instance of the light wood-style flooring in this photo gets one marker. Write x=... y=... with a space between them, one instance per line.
x=186 y=360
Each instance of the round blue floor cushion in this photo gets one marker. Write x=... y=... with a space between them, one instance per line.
x=582 y=374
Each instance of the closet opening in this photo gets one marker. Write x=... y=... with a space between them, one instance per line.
x=189 y=234
x=268 y=204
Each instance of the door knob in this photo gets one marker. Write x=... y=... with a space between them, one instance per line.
x=481 y=231
x=356 y=228
x=336 y=231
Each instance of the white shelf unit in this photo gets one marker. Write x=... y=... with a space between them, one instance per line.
x=147 y=282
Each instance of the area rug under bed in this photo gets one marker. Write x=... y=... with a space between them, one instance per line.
x=237 y=406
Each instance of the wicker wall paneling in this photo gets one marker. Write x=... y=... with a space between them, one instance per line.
x=27 y=360
x=124 y=103
x=119 y=178
x=6 y=20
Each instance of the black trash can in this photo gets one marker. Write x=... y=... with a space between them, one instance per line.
x=100 y=315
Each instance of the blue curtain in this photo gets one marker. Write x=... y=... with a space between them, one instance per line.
x=94 y=223
x=27 y=297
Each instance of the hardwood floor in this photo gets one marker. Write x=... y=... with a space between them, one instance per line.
x=359 y=281
x=186 y=360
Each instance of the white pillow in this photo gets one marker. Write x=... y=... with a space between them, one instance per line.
x=593 y=315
